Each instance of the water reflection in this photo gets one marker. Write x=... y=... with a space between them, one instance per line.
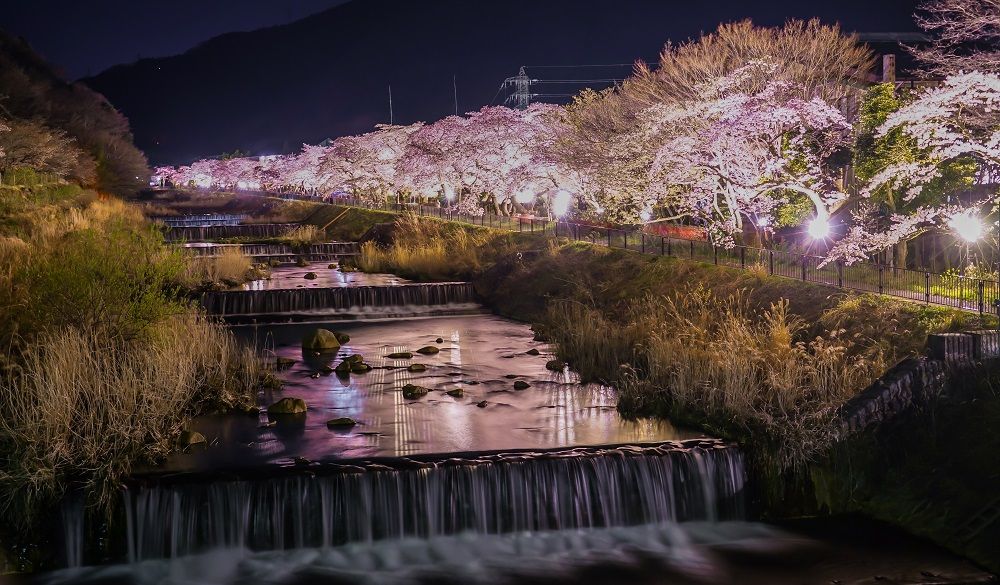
x=289 y=277
x=483 y=355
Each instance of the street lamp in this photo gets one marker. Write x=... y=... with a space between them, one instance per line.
x=819 y=228
x=560 y=203
x=968 y=227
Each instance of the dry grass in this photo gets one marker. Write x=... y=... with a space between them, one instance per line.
x=303 y=235
x=716 y=358
x=79 y=403
x=427 y=249
x=231 y=267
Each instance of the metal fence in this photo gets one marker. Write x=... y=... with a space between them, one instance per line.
x=959 y=292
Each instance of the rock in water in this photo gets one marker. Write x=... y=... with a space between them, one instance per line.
x=300 y=262
x=439 y=340
x=555 y=365
x=287 y=406
x=189 y=438
x=532 y=351
x=310 y=276
x=283 y=363
x=521 y=385
x=417 y=368
x=412 y=391
x=322 y=339
x=400 y=355
x=481 y=404
x=360 y=368
x=428 y=350
x=342 y=337
x=355 y=358
x=332 y=266
x=343 y=367
x=456 y=392
x=342 y=422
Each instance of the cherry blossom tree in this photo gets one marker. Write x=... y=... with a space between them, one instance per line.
x=958 y=121
x=965 y=36
x=736 y=154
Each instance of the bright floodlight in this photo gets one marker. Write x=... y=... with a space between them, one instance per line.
x=449 y=193
x=524 y=196
x=819 y=228
x=763 y=221
x=560 y=203
x=967 y=226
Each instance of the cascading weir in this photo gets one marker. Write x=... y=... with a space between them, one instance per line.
x=331 y=301
x=326 y=251
x=498 y=493
x=204 y=220
x=216 y=232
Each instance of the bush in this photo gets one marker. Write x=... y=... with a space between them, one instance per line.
x=231 y=267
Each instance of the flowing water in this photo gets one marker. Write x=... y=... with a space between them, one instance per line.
x=323 y=252
x=202 y=220
x=292 y=277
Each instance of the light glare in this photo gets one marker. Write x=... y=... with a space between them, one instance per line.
x=819 y=228
x=967 y=226
x=560 y=203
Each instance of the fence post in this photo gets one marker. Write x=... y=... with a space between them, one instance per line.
x=743 y=257
x=609 y=237
x=770 y=262
x=881 y=278
x=804 y=260
x=643 y=236
x=715 y=255
x=840 y=273
x=625 y=238
x=692 y=248
x=670 y=247
x=982 y=300
x=663 y=244
x=927 y=287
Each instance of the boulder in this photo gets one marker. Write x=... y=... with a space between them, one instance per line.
x=417 y=368
x=343 y=367
x=355 y=358
x=283 y=363
x=287 y=406
x=342 y=422
x=342 y=337
x=555 y=365
x=521 y=385
x=412 y=391
x=400 y=355
x=456 y=392
x=321 y=339
x=189 y=438
x=428 y=350
x=270 y=381
x=332 y=266
x=310 y=276
x=360 y=368
x=438 y=340
x=300 y=262
x=532 y=351
x=481 y=404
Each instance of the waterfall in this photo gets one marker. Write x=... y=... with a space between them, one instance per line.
x=582 y=488
x=339 y=300
x=205 y=220
x=72 y=515
x=327 y=251
x=216 y=232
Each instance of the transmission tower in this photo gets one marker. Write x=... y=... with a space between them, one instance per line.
x=521 y=96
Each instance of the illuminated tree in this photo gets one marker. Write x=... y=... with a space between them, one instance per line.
x=965 y=35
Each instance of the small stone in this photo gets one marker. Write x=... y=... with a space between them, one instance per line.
x=321 y=339
x=510 y=376
x=400 y=355
x=332 y=266
x=314 y=375
x=533 y=351
x=300 y=262
x=270 y=381
x=412 y=391
x=342 y=422
x=310 y=276
x=301 y=460
x=283 y=363
x=555 y=365
x=470 y=382
x=521 y=385
x=189 y=438
x=342 y=337
x=355 y=358
x=428 y=350
x=439 y=340
x=360 y=368
x=417 y=368
x=481 y=404
x=287 y=406
x=343 y=367
x=456 y=392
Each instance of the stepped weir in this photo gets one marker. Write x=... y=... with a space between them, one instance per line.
x=401 y=497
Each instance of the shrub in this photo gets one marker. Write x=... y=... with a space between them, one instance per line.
x=231 y=267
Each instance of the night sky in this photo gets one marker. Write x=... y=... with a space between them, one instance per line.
x=85 y=37
x=325 y=71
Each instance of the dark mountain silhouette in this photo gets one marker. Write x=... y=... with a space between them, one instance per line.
x=327 y=75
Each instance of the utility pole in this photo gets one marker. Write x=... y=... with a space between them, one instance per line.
x=390 y=104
